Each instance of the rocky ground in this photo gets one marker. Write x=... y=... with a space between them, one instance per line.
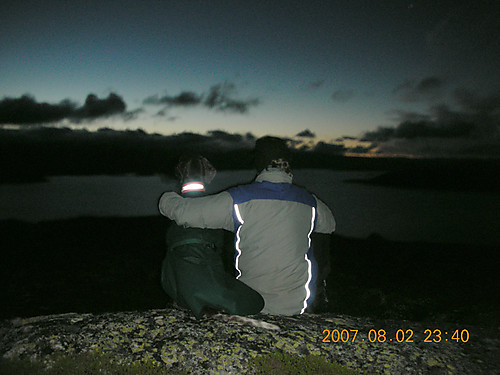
x=175 y=339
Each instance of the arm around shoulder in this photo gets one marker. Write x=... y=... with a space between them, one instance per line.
x=212 y=211
x=325 y=222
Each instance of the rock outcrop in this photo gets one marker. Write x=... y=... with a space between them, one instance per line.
x=175 y=339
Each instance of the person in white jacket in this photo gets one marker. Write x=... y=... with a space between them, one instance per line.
x=273 y=220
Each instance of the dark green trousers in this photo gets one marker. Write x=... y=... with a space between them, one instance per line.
x=193 y=274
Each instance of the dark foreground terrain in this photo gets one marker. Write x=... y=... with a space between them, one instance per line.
x=113 y=264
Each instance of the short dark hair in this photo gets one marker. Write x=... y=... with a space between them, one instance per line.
x=268 y=149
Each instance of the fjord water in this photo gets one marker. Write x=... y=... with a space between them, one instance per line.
x=360 y=209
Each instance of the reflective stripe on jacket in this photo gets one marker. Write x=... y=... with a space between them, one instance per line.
x=272 y=220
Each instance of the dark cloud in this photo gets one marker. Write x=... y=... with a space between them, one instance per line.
x=426 y=89
x=27 y=111
x=347 y=138
x=382 y=134
x=481 y=105
x=433 y=129
x=404 y=116
x=448 y=125
x=132 y=115
x=472 y=126
x=220 y=97
x=424 y=129
x=184 y=99
x=95 y=107
x=315 y=84
x=342 y=95
x=306 y=134
x=161 y=113
x=164 y=113
x=152 y=100
x=429 y=84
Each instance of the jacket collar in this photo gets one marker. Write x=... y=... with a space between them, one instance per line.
x=275 y=175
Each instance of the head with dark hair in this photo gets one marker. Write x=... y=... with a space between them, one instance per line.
x=194 y=172
x=272 y=152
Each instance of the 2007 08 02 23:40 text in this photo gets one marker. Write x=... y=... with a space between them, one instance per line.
x=401 y=335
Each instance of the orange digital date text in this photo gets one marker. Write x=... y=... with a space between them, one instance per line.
x=401 y=335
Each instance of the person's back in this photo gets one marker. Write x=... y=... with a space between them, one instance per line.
x=274 y=220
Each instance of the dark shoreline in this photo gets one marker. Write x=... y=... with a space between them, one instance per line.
x=113 y=264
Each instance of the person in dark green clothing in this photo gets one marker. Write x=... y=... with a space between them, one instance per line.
x=193 y=273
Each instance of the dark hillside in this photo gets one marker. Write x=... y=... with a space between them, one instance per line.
x=34 y=155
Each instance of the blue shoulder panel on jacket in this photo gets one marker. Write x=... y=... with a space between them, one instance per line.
x=270 y=190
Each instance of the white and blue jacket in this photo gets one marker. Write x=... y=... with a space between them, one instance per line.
x=273 y=221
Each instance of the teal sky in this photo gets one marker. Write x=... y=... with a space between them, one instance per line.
x=348 y=68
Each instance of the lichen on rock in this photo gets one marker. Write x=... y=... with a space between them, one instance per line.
x=175 y=339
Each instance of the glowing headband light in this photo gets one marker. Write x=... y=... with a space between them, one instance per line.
x=192 y=186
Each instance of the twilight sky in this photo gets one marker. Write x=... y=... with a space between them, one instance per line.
x=404 y=77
